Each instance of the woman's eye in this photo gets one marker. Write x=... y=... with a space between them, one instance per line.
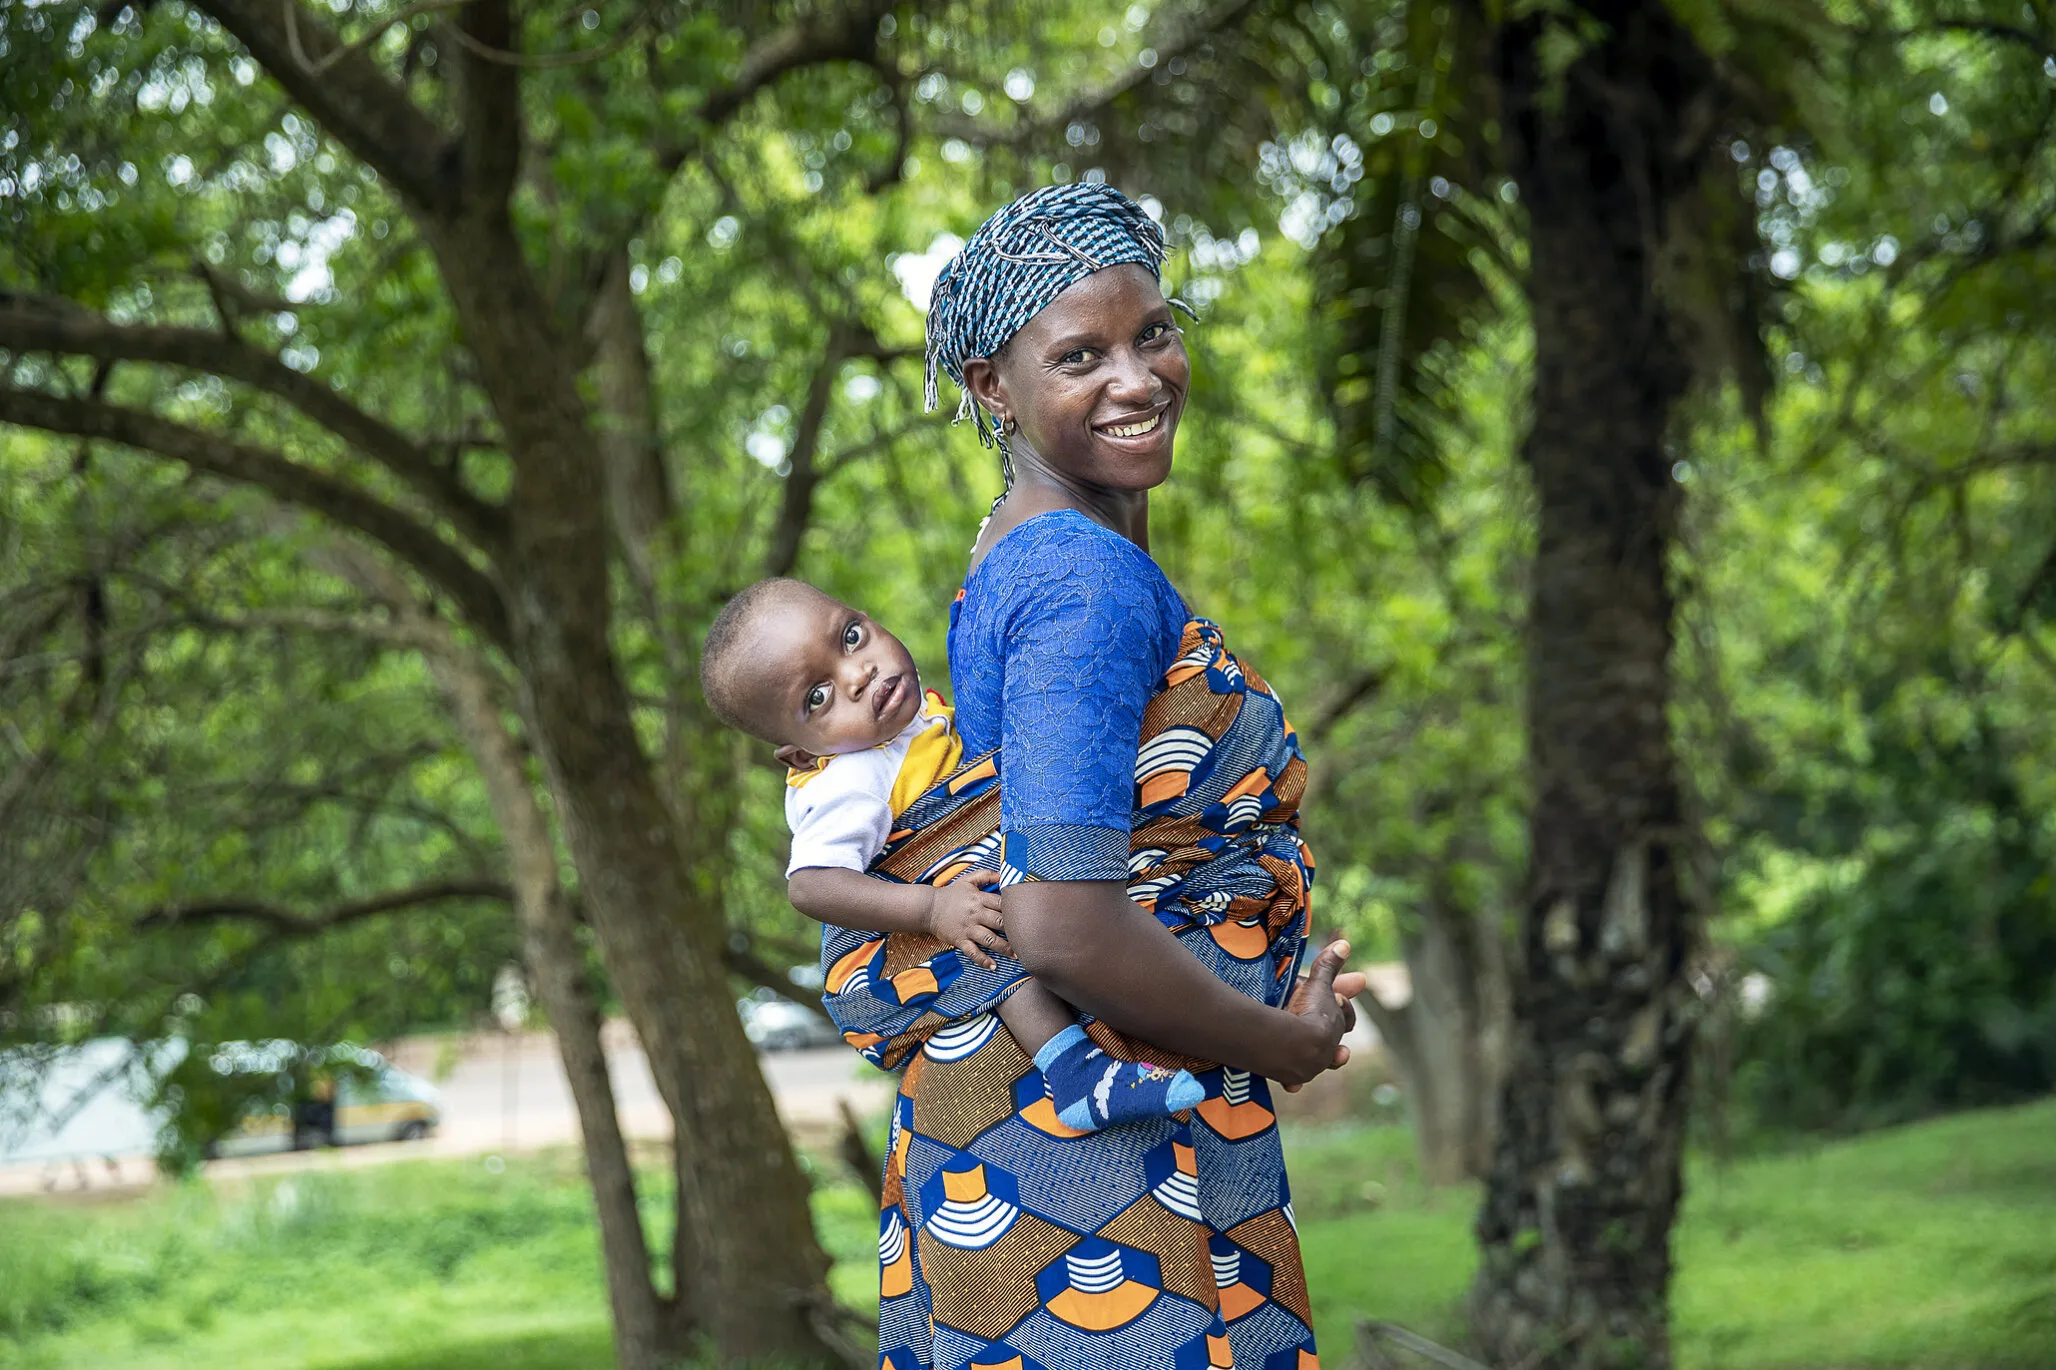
x=1077 y=356
x=852 y=635
x=817 y=697
x=1155 y=331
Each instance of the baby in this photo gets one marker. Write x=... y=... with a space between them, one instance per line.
x=839 y=697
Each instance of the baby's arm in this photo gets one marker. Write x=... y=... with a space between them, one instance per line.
x=964 y=913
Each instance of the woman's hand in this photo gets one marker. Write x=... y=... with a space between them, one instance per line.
x=1094 y=948
x=1322 y=1003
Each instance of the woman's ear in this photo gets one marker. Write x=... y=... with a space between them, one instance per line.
x=982 y=379
x=799 y=758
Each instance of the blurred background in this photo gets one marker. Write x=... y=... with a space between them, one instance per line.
x=392 y=949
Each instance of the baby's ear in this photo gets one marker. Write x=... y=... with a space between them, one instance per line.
x=799 y=758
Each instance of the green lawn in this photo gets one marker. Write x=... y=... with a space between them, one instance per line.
x=1929 y=1248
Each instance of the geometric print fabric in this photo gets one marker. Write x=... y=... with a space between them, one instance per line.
x=1052 y=1266
x=1009 y=1241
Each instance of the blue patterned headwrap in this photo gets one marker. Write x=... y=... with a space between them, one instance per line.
x=1020 y=260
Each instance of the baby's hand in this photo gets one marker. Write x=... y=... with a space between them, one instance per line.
x=965 y=914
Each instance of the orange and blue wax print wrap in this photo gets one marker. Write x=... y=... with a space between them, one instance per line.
x=1216 y=856
x=1005 y=1237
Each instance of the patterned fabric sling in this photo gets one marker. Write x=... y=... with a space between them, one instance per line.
x=1216 y=853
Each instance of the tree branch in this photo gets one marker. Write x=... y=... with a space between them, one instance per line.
x=473 y=591
x=2043 y=577
x=840 y=35
x=490 y=96
x=392 y=632
x=33 y=323
x=1394 y=1025
x=1092 y=103
x=796 y=507
x=879 y=440
x=352 y=99
x=285 y=923
x=1366 y=686
x=846 y=35
x=379 y=29
x=226 y=290
x=537 y=61
x=749 y=966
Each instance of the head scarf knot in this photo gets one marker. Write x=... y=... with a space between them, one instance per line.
x=1020 y=260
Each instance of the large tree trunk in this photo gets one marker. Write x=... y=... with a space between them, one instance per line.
x=549 y=940
x=751 y=1276
x=1449 y=1038
x=1585 y=1181
x=550 y=946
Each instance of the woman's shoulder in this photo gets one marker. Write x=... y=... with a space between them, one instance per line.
x=1064 y=550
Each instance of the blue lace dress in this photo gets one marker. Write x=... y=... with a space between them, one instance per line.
x=1007 y=1239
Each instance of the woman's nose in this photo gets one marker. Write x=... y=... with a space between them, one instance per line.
x=1133 y=379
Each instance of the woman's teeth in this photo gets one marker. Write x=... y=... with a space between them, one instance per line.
x=1135 y=430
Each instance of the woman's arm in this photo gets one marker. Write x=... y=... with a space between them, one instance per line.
x=1091 y=946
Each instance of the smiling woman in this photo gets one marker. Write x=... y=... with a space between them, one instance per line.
x=1159 y=889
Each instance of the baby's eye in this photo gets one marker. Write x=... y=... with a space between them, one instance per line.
x=853 y=634
x=817 y=698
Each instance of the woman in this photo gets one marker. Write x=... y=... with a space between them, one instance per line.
x=1008 y=1239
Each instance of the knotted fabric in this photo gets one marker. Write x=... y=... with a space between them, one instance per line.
x=1020 y=260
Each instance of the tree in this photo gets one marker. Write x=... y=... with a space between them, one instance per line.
x=1864 y=729
x=525 y=565
x=392 y=274
x=257 y=830
x=1611 y=125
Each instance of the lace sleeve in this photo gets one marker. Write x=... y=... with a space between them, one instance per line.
x=1090 y=629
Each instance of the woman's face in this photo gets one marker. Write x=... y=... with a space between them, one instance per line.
x=1096 y=381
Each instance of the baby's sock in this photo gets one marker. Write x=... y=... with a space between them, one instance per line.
x=1093 y=1090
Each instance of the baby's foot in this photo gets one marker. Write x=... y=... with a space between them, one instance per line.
x=1093 y=1090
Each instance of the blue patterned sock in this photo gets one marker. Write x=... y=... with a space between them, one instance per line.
x=1092 y=1090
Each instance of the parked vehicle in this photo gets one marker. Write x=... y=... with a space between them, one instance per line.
x=773 y=1023
x=351 y=1095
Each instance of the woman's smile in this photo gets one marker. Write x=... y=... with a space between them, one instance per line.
x=1133 y=428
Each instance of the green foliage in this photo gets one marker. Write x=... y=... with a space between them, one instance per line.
x=1867 y=663
x=1924 y=1248
x=194 y=750
x=334 y=1269
x=212 y=716
x=1927 y=982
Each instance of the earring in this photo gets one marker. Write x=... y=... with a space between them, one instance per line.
x=1007 y=427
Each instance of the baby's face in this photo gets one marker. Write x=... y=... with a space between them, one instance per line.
x=835 y=681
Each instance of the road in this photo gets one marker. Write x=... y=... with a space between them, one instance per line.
x=509 y=1094
x=500 y=1094
x=503 y=1093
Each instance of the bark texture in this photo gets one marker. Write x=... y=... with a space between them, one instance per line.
x=639 y=503
x=1609 y=154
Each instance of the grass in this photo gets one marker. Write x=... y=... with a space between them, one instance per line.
x=1930 y=1247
